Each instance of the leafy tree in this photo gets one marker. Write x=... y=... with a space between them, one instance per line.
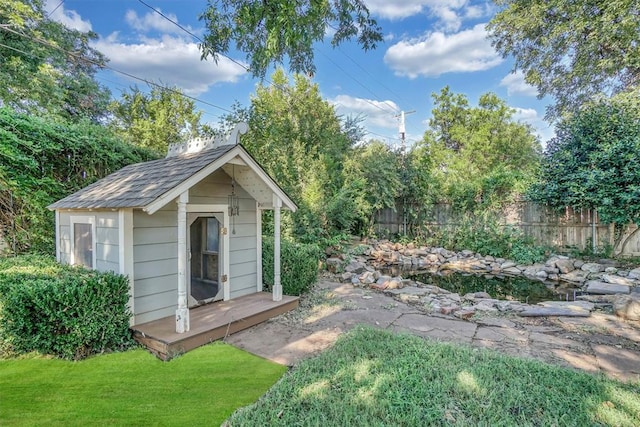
x=43 y=160
x=571 y=50
x=300 y=140
x=373 y=181
x=156 y=119
x=46 y=67
x=593 y=162
x=270 y=30
x=478 y=155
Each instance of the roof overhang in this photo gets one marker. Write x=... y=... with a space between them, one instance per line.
x=248 y=174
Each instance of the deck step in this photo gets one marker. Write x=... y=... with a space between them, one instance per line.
x=209 y=323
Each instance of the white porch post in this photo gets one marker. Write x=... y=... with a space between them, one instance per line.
x=182 y=313
x=277 y=287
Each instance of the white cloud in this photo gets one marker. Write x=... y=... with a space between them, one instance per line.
x=540 y=127
x=69 y=18
x=171 y=61
x=376 y=113
x=153 y=21
x=396 y=9
x=527 y=115
x=449 y=13
x=515 y=84
x=438 y=53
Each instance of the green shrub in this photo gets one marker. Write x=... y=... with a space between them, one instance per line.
x=298 y=265
x=486 y=235
x=65 y=311
x=43 y=160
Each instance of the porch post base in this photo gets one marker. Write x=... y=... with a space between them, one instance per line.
x=182 y=320
x=277 y=292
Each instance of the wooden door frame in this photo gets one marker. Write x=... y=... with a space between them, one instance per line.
x=194 y=212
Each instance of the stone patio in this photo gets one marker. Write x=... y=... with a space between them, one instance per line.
x=598 y=343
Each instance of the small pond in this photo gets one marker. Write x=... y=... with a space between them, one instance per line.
x=499 y=287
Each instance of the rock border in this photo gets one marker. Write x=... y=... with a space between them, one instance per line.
x=605 y=284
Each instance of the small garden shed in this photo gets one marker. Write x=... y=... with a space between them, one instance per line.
x=185 y=229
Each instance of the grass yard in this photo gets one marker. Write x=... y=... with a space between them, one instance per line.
x=202 y=387
x=376 y=378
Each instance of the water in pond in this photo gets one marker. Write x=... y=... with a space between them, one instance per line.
x=499 y=287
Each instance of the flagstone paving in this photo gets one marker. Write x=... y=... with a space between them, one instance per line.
x=598 y=343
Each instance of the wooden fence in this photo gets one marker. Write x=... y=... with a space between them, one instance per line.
x=570 y=229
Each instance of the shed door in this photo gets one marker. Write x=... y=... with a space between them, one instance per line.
x=205 y=263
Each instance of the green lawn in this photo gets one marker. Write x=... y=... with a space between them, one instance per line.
x=202 y=387
x=376 y=378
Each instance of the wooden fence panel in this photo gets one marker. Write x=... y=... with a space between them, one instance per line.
x=568 y=229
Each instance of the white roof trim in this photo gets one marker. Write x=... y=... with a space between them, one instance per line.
x=238 y=150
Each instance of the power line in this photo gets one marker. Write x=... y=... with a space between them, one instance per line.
x=101 y=65
x=393 y=110
x=191 y=34
x=391 y=91
x=55 y=8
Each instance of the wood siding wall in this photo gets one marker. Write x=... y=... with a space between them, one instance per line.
x=572 y=228
x=155 y=266
x=106 y=238
x=155 y=249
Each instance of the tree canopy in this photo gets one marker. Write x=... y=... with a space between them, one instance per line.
x=267 y=31
x=477 y=155
x=45 y=67
x=593 y=161
x=571 y=50
x=155 y=119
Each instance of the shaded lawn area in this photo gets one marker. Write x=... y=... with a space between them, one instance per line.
x=376 y=378
x=202 y=387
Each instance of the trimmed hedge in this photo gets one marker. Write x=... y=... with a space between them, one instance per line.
x=298 y=265
x=65 y=311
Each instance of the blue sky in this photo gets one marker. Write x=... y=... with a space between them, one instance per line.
x=428 y=44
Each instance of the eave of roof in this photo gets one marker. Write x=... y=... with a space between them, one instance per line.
x=151 y=185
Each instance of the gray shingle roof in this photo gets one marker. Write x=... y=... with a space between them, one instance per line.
x=137 y=185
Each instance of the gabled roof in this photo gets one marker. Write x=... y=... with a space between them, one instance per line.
x=151 y=185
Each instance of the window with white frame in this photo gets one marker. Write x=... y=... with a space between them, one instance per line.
x=83 y=241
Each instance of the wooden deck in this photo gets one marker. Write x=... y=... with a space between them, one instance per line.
x=209 y=323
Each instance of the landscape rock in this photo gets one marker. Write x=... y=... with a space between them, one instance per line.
x=346 y=277
x=355 y=267
x=597 y=287
x=634 y=274
x=542 y=274
x=565 y=266
x=532 y=270
x=575 y=276
x=592 y=267
x=481 y=295
x=618 y=280
x=465 y=314
x=536 y=311
x=367 y=278
x=507 y=264
x=627 y=306
x=512 y=270
x=571 y=305
x=333 y=264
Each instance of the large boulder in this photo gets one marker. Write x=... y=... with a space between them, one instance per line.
x=565 y=266
x=627 y=306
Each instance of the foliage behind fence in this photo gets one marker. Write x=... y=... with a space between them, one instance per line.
x=568 y=229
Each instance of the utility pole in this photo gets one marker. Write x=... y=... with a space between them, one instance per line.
x=401 y=130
